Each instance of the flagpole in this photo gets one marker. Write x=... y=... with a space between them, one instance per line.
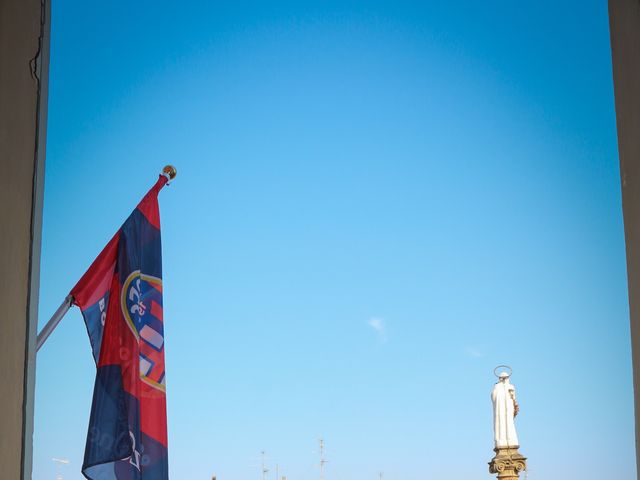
x=170 y=172
x=54 y=321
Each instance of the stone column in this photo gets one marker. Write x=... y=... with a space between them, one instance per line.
x=507 y=463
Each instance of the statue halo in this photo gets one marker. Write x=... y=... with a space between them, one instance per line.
x=497 y=374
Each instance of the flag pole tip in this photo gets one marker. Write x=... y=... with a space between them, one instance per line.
x=170 y=171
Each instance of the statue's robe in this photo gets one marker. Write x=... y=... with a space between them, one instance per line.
x=504 y=428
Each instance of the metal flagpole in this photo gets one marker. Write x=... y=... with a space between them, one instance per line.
x=168 y=171
x=54 y=321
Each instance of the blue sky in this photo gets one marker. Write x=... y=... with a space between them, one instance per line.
x=376 y=204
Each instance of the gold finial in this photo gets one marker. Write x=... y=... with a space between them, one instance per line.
x=170 y=171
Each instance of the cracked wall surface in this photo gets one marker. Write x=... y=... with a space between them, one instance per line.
x=24 y=36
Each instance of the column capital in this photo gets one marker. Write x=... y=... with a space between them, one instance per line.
x=507 y=463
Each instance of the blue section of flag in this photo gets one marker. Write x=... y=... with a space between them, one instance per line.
x=140 y=247
x=108 y=435
x=94 y=317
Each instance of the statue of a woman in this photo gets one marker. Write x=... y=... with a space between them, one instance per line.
x=505 y=408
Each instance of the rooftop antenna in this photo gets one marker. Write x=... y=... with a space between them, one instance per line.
x=265 y=470
x=322 y=459
x=60 y=461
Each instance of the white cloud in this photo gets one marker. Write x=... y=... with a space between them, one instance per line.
x=474 y=352
x=378 y=326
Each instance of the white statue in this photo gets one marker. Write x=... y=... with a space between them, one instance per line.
x=505 y=408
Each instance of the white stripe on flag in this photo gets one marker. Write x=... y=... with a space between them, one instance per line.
x=145 y=365
x=151 y=336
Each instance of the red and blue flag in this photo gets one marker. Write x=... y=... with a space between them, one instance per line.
x=120 y=296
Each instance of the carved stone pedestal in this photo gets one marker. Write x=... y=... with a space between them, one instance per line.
x=507 y=463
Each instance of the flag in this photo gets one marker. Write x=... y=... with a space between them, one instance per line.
x=120 y=297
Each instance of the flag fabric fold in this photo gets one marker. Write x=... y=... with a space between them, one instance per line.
x=120 y=297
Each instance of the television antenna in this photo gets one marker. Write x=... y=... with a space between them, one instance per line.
x=322 y=459
x=265 y=470
x=59 y=462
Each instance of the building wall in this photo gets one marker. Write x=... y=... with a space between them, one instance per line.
x=23 y=87
x=624 y=22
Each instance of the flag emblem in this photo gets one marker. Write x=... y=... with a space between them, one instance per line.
x=141 y=303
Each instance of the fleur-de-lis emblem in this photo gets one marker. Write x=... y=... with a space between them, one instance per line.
x=135 y=295
x=141 y=307
x=134 y=459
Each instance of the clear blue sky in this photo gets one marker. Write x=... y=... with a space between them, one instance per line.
x=376 y=204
